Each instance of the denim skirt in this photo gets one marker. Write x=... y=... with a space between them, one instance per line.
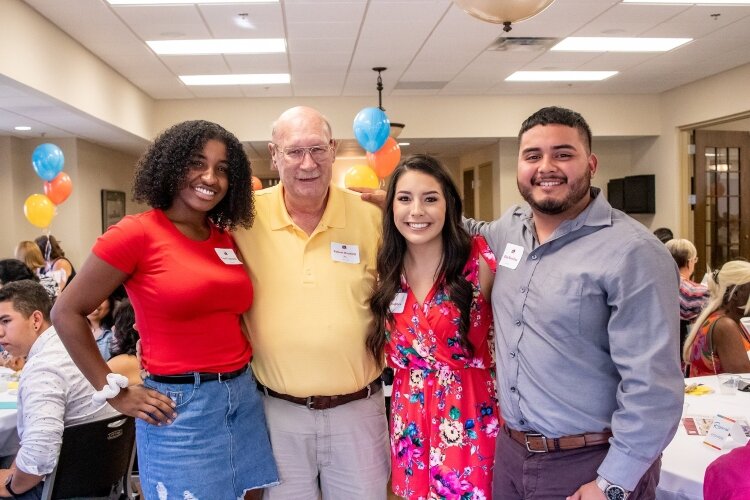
x=217 y=448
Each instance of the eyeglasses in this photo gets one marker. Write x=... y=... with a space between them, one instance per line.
x=296 y=155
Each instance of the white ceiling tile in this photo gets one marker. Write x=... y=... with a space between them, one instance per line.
x=257 y=63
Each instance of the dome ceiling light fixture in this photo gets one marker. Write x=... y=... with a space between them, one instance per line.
x=503 y=12
x=396 y=128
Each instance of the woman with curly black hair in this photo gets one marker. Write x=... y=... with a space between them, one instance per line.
x=434 y=321
x=198 y=409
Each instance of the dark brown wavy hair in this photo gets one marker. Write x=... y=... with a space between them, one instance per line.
x=161 y=171
x=390 y=262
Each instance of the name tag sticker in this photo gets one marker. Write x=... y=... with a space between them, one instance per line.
x=399 y=301
x=228 y=256
x=341 y=252
x=511 y=256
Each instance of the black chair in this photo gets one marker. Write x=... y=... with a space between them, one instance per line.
x=95 y=460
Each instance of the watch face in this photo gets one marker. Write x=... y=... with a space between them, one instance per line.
x=614 y=492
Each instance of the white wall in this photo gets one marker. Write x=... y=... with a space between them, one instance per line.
x=78 y=219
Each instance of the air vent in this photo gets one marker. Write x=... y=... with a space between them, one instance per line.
x=522 y=44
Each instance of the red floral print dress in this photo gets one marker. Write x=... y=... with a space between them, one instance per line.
x=444 y=414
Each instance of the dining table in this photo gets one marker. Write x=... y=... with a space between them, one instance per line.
x=685 y=459
x=8 y=412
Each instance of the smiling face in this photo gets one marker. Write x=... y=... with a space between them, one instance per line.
x=555 y=170
x=206 y=181
x=17 y=333
x=419 y=208
x=305 y=179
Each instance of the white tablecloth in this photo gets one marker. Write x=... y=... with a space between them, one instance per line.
x=686 y=458
x=8 y=432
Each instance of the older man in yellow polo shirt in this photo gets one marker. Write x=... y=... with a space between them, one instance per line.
x=311 y=256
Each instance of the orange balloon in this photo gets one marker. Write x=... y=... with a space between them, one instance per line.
x=59 y=188
x=361 y=176
x=257 y=184
x=384 y=160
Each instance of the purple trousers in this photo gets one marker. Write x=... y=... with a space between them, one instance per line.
x=520 y=474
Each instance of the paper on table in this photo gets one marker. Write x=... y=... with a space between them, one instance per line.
x=698 y=390
x=8 y=405
x=698 y=425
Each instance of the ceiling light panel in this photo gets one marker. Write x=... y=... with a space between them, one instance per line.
x=247 y=79
x=619 y=44
x=213 y=46
x=559 y=76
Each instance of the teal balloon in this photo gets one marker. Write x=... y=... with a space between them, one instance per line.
x=371 y=128
x=48 y=161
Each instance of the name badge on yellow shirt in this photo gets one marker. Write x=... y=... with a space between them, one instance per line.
x=228 y=256
x=398 y=303
x=341 y=252
x=511 y=256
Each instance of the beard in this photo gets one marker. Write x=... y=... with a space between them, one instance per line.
x=579 y=188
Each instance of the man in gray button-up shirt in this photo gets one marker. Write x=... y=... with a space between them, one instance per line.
x=586 y=321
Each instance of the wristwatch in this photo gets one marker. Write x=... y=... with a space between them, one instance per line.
x=611 y=491
x=12 y=493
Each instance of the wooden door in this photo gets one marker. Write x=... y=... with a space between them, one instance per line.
x=485 y=192
x=722 y=189
x=468 y=185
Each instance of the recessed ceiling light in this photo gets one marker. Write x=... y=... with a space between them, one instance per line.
x=559 y=76
x=223 y=46
x=249 y=79
x=688 y=2
x=619 y=44
x=184 y=2
x=22 y=128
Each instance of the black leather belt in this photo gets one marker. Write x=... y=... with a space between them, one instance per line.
x=189 y=378
x=325 y=402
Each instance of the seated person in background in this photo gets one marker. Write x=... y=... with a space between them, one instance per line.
x=717 y=343
x=28 y=252
x=57 y=265
x=15 y=270
x=727 y=477
x=52 y=392
x=664 y=234
x=100 y=322
x=693 y=296
x=124 y=359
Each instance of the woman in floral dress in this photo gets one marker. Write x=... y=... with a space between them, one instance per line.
x=434 y=323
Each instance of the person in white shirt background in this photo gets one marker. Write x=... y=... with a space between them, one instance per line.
x=52 y=392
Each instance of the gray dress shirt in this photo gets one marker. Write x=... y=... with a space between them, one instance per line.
x=586 y=332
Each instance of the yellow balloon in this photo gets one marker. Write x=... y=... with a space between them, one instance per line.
x=361 y=176
x=39 y=210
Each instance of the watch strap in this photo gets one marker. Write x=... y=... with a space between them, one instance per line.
x=8 y=487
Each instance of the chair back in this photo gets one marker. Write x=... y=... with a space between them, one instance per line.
x=95 y=460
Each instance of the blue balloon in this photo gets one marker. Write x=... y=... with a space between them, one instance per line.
x=371 y=128
x=48 y=161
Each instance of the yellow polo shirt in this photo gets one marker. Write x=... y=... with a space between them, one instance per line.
x=310 y=315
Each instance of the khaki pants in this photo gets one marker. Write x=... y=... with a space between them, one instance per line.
x=341 y=453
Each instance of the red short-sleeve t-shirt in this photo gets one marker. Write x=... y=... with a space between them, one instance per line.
x=187 y=295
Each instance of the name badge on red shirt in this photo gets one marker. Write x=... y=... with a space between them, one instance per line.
x=398 y=303
x=228 y=256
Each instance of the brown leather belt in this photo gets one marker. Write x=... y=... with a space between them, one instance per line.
x=325 y=402
x=536 y=443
